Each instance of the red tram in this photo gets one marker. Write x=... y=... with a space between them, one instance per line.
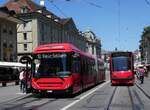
x=63 y=68
x=121 y=68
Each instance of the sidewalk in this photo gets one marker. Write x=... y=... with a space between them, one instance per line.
x=11 y=92
x=145 y=85
x=8 y=84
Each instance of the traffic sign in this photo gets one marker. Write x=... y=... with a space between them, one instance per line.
x=25 y=59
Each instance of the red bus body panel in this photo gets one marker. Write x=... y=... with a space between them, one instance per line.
x=56 y=84
x=51 y=83
x=75 y=81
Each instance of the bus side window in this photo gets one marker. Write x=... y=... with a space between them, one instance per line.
x=76 y=67
x=83 y=65
x=75 y=64
x=86 y=66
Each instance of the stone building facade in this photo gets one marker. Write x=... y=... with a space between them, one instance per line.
x=93 y=44
x=8 y=35
x=42 y=27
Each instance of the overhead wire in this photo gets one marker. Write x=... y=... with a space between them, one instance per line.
x=118 y=14
x=147 y=2
x=119 y=18
x=92 y=4
x=87 y=2
x=51 y=1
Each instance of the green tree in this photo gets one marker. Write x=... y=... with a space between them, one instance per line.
x=146 y=30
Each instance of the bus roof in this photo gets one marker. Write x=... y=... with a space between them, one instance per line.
x=58 y=47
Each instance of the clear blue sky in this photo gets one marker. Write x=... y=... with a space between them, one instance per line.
x=104 y=21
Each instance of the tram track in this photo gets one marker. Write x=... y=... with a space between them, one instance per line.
x=111 y=98
x=15 y=104
x=15 y=99
x=143 y=91
x=137 y=95
x=131 y=99
x=118 y=97
x=134 y=99
x=20 y=102
x=33 y=107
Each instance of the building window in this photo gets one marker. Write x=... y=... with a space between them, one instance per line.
x=24 y=10
x=10 y=32
x=4 y=51
x=93 y=50
x=42 y=32
x=25 y=36
x=10 y=46
x=24 y=25
x=4 y=28
x=25 y=47
x=4 y=45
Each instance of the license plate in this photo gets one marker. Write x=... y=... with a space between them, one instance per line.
x=49 y=91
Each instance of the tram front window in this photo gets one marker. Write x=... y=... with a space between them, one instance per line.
x=121 y=64
x=51 y=65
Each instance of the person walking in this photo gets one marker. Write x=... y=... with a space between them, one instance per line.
x=146 y=71
x=22 y=76
x=141 y=72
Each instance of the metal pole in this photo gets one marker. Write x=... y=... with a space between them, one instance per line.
x=26 y=76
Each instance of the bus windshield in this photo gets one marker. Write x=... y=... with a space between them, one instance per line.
x=51 y=65
x=121 y=63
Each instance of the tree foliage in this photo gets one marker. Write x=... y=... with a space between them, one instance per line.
x=146 y=31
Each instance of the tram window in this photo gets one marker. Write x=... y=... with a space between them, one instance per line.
x=121 y=64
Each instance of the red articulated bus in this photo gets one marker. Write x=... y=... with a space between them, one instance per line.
x=63 y=68
x=121 y=68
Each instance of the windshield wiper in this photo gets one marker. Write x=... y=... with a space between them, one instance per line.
x=64 y=72
x=59 y=76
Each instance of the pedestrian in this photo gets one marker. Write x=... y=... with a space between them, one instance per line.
x=140 y=73
x=22 y=77
x=146 y=71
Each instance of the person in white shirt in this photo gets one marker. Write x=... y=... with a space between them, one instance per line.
x=22 y=80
